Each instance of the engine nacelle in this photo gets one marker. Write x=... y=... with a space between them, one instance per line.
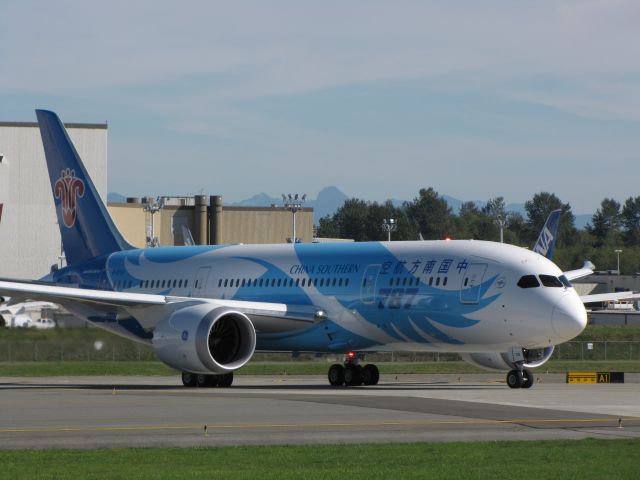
x=202 y=339
x=503 y=361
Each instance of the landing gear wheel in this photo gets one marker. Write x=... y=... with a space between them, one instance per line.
x=225 y=380
x=189 y=379
x=528 y=378
x=370 y=374
x=204 y=381
x=353 y=375
x=515 y=379
x=336 y=375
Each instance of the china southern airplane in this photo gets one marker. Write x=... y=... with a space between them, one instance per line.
x=206 y=309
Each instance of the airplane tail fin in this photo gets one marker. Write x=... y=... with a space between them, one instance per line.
x=85 y=225
x=546 y=243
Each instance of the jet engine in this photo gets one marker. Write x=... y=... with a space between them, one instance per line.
x=205 y=339
x=503 y=361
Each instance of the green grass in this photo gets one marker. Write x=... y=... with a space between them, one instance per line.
x=584 y=459
x=602 y=333
x=90 y=335
x=84 y=368
x=72 y=352
x=154 y=368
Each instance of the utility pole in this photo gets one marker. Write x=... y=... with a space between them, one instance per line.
x=618 y=252
x=293 y=203
x=500 y=222
x=153 y=207
x=389 y=226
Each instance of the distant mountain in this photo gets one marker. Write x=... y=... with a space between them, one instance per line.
x=329 y=199
x=113 y=197
x=455 y=204
x=582 y=220
x=259 y=200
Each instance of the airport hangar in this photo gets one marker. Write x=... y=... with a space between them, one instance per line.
x=29 y=236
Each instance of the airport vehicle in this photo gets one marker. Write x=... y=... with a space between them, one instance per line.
x=206 y=309
x=27 y=315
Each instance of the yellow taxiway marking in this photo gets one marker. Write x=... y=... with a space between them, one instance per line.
x=246 y=426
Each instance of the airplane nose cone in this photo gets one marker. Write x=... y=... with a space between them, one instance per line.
x=569 y=317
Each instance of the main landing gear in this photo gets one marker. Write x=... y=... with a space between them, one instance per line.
x=207 y=381
x=520 y=378
x=352 y=373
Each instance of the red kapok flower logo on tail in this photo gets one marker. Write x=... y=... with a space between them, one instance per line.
x=68 y=188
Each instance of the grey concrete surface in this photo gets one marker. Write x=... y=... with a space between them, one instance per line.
x=91 y=412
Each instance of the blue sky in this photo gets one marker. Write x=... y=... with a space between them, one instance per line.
x=476 y=99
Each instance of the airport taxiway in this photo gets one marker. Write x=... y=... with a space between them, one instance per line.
x=91 y=412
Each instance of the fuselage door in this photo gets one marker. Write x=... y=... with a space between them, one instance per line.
x=471 y=281
x=368 y=287
x=200 y=285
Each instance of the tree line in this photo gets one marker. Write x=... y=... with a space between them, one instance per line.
x=614 y=226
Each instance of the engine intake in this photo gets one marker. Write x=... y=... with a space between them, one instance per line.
x=202 y=339
x=501 y=361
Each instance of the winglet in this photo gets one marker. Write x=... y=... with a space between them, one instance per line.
x=546 y=243
x=586 y=270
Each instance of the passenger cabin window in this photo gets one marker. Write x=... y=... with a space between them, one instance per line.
x=528 y=281
x=550 y=281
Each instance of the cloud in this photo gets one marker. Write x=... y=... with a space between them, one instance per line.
x=288 y=47
x=262 y=85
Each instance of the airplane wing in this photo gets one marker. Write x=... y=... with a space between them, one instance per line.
x=610 y=297
x=265 y=316
x=586 y=270
x=21 y=291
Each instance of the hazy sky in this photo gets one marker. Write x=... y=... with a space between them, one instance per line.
x=474 y=98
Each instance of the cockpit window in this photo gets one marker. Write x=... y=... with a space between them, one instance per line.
x=528 y=281
x=550 y=281
x=565 y=281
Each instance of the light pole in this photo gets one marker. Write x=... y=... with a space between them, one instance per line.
x=293 y=203
x=618 y=252
x=153 y=207
x=500 y=222
x=389 y=226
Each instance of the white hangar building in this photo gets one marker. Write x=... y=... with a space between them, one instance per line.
x=29 y=234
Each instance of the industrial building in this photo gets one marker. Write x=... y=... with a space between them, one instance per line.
x=208 y=220
x=29 y=234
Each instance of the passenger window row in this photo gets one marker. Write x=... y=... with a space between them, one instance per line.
x=414 y=281
x=404 y=281
x=151 y=284
x=282 y=282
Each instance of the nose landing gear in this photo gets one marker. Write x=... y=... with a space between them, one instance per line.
x=352 y=373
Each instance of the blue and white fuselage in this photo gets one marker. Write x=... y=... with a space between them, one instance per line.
x=411 y=296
